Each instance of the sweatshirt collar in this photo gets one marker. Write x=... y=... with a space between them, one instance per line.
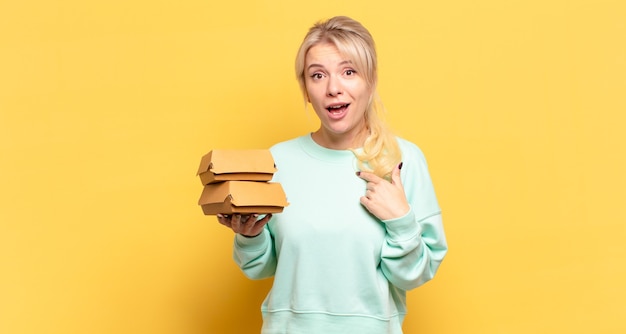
x=326 y=154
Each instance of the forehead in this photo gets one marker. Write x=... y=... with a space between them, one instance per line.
x=325 y=54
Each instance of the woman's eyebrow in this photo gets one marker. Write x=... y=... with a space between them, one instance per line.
x=315 y=65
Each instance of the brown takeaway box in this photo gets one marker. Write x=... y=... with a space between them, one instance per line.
x=236 y=165
x=242 y=197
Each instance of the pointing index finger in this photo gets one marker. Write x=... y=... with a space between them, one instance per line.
x=369 y=177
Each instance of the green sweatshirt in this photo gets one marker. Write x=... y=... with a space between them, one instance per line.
x=336 y=267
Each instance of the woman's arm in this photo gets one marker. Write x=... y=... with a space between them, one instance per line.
x=415 y=242
x=413 y=250
x=255 y=255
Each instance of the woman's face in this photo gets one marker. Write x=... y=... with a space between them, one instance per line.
x=339 y=95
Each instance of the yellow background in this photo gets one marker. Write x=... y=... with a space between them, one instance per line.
x=107 y=106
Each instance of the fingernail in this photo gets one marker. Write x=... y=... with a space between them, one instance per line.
x=400 y=165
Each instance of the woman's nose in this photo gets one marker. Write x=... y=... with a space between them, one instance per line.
x=334 y=87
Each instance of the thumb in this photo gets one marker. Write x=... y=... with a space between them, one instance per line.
x=395 y=175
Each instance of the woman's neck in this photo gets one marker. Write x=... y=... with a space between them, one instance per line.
x=340 y=141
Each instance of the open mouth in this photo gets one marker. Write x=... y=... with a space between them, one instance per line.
x=337 y=109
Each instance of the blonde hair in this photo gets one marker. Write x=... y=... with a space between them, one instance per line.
x=381 y=153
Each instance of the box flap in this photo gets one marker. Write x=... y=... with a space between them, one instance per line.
x=214 y=193
x=205 y=162
x=238 y=161
x=257 y=193
x=244 y=193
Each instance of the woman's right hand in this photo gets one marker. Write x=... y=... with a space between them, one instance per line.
x=246 y=225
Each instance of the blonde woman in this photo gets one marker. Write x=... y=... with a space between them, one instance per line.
x=363 y=225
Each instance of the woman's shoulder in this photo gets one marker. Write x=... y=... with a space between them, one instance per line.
x=286 y=145
x=409 y=149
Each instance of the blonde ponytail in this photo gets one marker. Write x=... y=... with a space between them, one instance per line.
x=380 y=153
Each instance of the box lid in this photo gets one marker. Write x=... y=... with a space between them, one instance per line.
x=244 y=193
x=237 y=161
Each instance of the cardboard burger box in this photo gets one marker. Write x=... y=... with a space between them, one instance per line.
x=236 y=165
x=242 y=197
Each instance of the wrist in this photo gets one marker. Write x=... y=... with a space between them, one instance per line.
x=250 y=236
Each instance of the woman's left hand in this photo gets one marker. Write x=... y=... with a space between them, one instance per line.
x=385 y=200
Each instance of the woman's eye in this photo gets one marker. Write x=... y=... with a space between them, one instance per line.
x=316 y=76
x=350 y=72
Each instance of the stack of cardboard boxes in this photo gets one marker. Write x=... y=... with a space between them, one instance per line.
x=237 y=181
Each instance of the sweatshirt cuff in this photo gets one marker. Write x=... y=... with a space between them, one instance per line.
x=403 y=228
x=251 y=244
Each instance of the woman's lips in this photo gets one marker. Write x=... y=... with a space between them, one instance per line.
x=338 y=111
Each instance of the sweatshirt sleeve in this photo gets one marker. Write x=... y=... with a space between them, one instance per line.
x=415 y=244
x=413 y=250
x=255 y=256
